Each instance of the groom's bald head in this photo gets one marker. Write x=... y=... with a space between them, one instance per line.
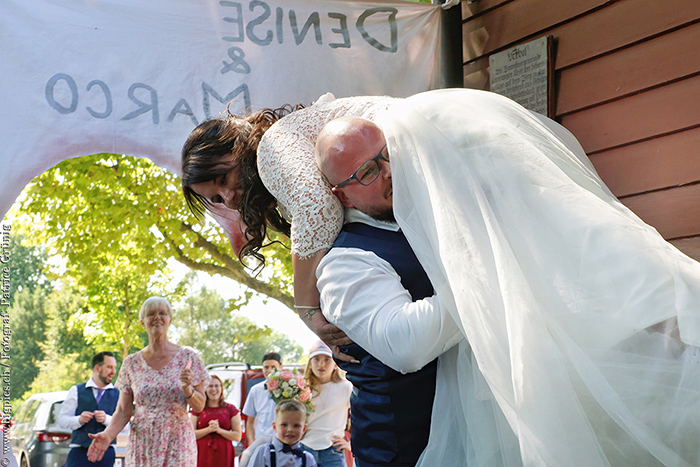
x=342 y=138
x=344 y=146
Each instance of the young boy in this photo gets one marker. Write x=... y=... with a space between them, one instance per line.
x=285 y=450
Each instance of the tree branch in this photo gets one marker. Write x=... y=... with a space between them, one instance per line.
x=232 y=269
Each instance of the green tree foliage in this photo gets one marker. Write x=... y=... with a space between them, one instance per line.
x=206 y=322
x=30 y=289
x=65 y=333
x=117 y=220
x=29 y=324
x=47 y=332
x=252 y=352
x=28 y=263
x=67 y=355
x=58 y=372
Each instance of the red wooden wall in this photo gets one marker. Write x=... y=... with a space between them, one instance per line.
x=627 y=84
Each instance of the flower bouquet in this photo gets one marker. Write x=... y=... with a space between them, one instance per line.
x=287 y=385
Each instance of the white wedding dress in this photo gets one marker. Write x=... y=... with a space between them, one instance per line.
x=581 y=323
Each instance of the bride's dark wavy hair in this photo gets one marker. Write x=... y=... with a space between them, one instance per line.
x=219 y=145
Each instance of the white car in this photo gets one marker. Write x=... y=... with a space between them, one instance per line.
x=36 y=439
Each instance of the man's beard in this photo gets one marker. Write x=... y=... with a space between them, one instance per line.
x=381 y=214
x=103 y=380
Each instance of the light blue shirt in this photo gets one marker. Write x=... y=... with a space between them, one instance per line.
x=261 y=456
x=260 y=405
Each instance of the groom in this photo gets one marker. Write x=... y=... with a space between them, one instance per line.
x=374 y=289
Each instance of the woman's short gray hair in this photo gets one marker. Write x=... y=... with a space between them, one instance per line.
x=155 y=302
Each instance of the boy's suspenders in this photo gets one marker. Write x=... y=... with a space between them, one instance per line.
x=273 y=457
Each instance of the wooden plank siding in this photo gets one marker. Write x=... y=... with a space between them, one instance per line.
x=476 y=8
x=655 y=164
x=666 y=210
x=627 y=84
x=629 y=70
x=659 y=111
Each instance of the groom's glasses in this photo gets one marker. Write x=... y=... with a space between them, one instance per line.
x=368 y=172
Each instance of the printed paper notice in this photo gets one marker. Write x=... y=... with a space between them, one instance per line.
x=521 y=73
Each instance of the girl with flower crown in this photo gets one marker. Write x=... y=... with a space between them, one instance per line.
x=324 y=437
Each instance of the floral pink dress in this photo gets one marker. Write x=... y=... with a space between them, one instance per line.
x=161 y=433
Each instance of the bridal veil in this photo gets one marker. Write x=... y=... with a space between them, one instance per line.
x=581 y=322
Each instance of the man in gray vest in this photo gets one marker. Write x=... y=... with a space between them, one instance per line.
x=88 y=408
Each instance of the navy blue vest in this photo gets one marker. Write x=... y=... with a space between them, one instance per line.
x=390 y=412
x=87 y=402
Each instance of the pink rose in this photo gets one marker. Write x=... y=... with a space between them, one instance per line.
x=272 y=384
x=305 y=395
x=286 y=375
x=301 y=383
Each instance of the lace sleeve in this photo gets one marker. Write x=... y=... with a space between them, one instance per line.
x=287 y=167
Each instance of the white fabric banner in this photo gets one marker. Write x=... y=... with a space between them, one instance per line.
x=131 y=77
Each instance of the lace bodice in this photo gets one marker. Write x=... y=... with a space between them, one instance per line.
x=287 y=167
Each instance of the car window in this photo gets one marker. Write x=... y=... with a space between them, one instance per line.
x=22 y=412
x=55 y=411
x=27 y=411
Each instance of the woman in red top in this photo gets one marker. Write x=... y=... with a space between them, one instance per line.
x=216 y=427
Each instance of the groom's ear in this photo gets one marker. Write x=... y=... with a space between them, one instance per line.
x=342 y=197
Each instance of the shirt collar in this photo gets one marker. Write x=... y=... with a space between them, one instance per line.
x=278 y=444
x=353 y=215
x=91 y=384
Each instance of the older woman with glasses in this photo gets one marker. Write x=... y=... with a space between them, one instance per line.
x=156 y=384
x=258 y=172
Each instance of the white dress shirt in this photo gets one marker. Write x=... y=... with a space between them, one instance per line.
x=67 y=418
x=362 y=294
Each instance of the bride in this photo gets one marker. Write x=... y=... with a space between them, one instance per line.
x=254 y=173
x=581 y=323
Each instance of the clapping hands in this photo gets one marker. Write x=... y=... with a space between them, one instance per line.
x=214 y=426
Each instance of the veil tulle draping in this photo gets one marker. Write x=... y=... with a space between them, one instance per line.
x=581 y=322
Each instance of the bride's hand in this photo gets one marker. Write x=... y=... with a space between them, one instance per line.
x=331 y=335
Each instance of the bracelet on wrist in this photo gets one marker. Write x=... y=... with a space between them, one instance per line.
x=310 y=312
x=191 y=394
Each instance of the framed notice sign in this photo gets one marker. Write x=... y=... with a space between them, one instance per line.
x=524 y=74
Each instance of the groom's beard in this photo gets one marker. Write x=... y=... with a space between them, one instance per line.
x=385 y=215
x=381 y=212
